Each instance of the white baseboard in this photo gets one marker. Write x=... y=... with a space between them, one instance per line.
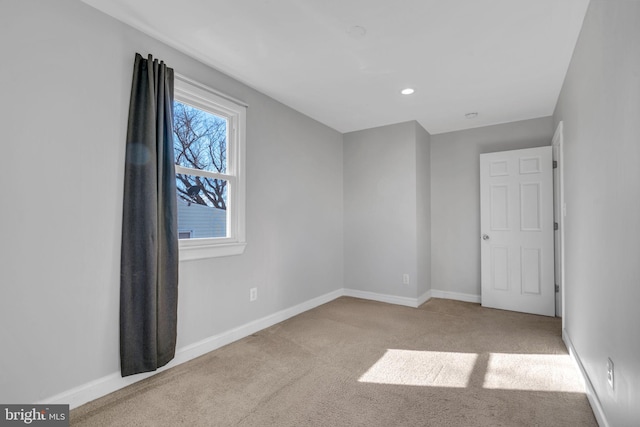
x=110 y=383
x=373 y=296
x=424 y=298
x=458 y=296
x=594 y=401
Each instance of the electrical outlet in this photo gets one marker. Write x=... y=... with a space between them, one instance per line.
x=405 y=279
x=253 y=294
x=610 y=372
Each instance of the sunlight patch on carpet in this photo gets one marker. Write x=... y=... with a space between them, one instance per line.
x=422 y=368
x=532 y=372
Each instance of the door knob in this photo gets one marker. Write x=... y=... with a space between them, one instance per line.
x=485 y=237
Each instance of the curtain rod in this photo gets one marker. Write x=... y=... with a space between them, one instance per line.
x=208 y=89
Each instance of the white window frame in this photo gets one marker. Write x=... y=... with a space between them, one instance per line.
x=199 y=96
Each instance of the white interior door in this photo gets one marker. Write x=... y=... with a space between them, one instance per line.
x=516 y=202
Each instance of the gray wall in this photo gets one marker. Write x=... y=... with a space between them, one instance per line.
x=381 y=208
x=423 y=201
x=455 y=197
x=65 y=84
x=600 y=109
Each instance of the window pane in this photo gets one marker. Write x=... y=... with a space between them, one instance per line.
x=199 y=139
x=202 y=207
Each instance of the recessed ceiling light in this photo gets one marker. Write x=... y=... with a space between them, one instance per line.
x=471 y=115
x=407 y=91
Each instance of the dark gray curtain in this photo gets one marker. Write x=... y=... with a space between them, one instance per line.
x=149 y=263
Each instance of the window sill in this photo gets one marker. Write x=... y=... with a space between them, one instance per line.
x=214 y=250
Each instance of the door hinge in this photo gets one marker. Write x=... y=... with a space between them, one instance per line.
x=555 y=164
x=555 y=226
x=557 y=288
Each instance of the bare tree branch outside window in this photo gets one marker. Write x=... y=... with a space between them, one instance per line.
x=200 y=142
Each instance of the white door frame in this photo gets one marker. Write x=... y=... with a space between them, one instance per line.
x=560 y=212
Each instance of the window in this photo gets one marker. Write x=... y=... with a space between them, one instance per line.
x=208 y=142
x=185 y=234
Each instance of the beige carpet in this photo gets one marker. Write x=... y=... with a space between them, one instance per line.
x=361 y=363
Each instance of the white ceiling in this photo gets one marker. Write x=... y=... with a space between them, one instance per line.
x=504 y=59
